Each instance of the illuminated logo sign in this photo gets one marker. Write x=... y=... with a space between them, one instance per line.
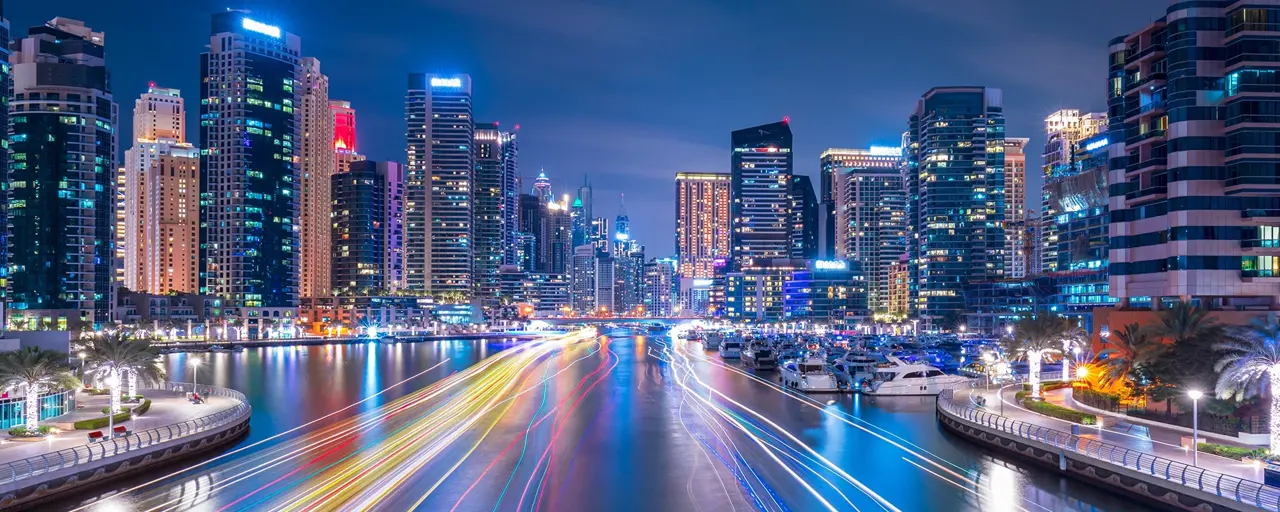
x=260 y=27
x=702 y=283
x=1097 y=144
x=885 y=151
x=831 y=265
x=446 y=82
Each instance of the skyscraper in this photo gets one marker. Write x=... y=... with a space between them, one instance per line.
x=702 y=222
x=532 y=210
x=1064 y=131
x=367 y=230
x=344 y=135
x=162 y=198
x=318 y=157
x=660 y=287
x=1017 y=232
x=440 y=184
x=555 y=241
x=510 y=196
x=1194 y=183
x=542 y=187
x=251 y=87
x=804 y=218
x=955 y=181
x=5 y=77
x=582 y=271
x=62 y=176
x=761 y=193
x=870 y=218
x=491 y=184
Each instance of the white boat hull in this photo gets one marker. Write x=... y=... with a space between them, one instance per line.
x=811 y=383
x=929 y=386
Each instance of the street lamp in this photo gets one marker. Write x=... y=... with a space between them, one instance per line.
x=1195 y=426
x=1001 y=369
x=195 y=370
x=81 y=355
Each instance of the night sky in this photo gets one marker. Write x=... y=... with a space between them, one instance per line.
x=630 y=94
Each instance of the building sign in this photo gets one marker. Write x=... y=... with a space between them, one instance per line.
x=446 y=82
x=885 y=151
x=831 y=265
x=1096 y=144
x=702 y=283
x=260 y=27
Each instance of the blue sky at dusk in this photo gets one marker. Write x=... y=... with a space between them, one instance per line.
x=629 y=93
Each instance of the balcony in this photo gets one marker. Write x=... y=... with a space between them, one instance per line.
x=1261 y=217
x=1151 y=79
x=1145 y=165
x=1144 y=137
x=1146 y=195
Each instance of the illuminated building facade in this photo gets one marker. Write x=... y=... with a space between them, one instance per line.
x=529 y=221
x=660 y=287
x=161 y=188
x=490 y=232
x=804 y=218
x=542 y=187
x=870 y=226
x=828 y=292
x=510 y=197
x=344 y=135
x=702 y=222
x=955 y=187
x=62 y=177
x=899 y=304
x=1194 y=175
x=582 y=275
x=6 y=75
x=251 y=89
x=755 y=294
x=1064 y=131
x=367 y=229
x=440 y=187
x=1017 y=232
x=760 y=212
x=1079 y=195
x=556 y=249
x=318 y=161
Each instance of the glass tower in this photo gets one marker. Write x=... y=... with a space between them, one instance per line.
x=761 y=166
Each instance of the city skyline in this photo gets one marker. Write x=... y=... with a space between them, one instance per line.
x=585 y=128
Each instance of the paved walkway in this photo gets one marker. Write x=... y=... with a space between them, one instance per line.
x=167 y=408
x=1147 y=439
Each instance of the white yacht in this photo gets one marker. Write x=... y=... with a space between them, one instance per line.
x=899 y=378
x=854 y=367
x=731 y=349
x=788 y=351
x=809 y=375
x=758 y=355
x=712 y=340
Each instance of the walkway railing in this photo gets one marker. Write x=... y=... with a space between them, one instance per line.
x=1243 y=491
x=32 y=466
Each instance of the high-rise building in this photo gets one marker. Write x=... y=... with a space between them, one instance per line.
x=251 y=89
x=532 y=211
x=1079 y=194
x=660 y=287
x=490 y=223
x=606 y=285
x=702 y=222
x=804 y=218
x=580 y=223
x=955 y=187
x=510 y=196
x=556 y=249
x=161 y=180
x=583 y=278
x=62 y=176
x=598 y=234
x=870 y=214
x=586 y=196
x=542 y=187
x=318 y=164
x=367 y=229
x=1015 y=206
x=344 y=135
x=6 y=77
x=761 y=167
x=1064 y=130
x=1194 y=175
x=440 y=184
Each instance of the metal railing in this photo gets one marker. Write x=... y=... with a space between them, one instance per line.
x=18 y=470
x=1227 y=486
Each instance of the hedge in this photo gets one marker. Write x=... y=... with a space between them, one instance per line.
x=137 y=411
x=1062 y=413
x=1048 y=385
x=97 y=423
x=1232 y=452
x=21 y=431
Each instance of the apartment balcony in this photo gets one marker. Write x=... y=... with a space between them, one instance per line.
x=1146 y=195
x=1148 y=54
x=1149 y=164
x=1259 y=276
x=1144 y=138
x=1260 y=217
x=1145 y=82
x=1153 y=109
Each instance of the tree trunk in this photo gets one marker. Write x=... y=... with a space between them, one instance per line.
x=33 y=407
x=1033 y=360
x=115 y=390
x=133 y=383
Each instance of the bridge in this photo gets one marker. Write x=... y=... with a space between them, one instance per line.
x=619 y=320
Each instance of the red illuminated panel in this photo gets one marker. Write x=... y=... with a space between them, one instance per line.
x=344 y=129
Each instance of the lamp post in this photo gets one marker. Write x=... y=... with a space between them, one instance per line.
x=81 y=355
x=195 y=371
x=1002 y=368
x=1195 y=426
x=112 y=381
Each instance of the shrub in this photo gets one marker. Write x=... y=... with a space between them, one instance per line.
x=137 y=411
x=97 y=392
x=97 y=423
x=1062 y=413
x=1232 y=452
x=1019 y=396
x=21 y=431
x=1049 y=385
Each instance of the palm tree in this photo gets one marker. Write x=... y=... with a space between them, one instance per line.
x=1034 y=337
x=39 y=370
x=1127 y=349
x=117 y=353
x=1245 y=359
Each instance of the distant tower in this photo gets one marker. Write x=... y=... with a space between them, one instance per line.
x=622 y=230
x=542 y=187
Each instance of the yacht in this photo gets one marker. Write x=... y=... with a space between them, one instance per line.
x=656 y=329
x=759 y=356
x=809 y=375
x=712 y=340
x=900 y=378
x=788 y=351
x=731 y=349
x=853 y=368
